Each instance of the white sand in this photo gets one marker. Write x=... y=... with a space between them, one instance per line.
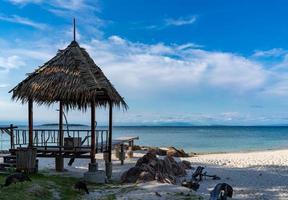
x=253 y=175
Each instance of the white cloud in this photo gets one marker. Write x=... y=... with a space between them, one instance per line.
x=173 y=22
x=275 y=52
x=70 y=4
x=170 y=67
x=83 y=10
x=189 y=46
x=21 y=20
x=59 y=4
x=21 y=2
x=11 y=62
x=233 y=71
x=181 y=21
x=144 y=71
x=4 y=85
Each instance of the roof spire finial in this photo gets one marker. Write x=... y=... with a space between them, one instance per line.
x=74 y=29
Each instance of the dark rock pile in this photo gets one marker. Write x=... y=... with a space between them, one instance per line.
x=150 y=168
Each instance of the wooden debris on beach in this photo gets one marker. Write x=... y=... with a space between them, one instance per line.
x=214 y=177
x=197 y=177
x=150 y=168
x=198 y=174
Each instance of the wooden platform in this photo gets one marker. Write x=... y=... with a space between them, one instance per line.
x=71 y=144
x=78 y=152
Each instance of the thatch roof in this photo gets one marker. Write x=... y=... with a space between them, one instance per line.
x=71 y=77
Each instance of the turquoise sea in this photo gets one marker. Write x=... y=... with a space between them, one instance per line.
x=211 y=138
x=200 y=138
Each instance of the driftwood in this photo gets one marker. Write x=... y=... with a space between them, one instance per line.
x=197 y=176
x=221 y=191
x=214 y=177
x=149 y=168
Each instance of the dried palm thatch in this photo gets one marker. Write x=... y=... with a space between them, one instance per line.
x=71 y=77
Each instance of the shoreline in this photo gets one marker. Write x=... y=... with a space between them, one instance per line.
x=241 y=151
x=191 y=153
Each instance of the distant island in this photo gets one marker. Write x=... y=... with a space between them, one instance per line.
x=56 y=124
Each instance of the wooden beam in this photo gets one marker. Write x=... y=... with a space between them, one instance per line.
x=30 y=122
x=93 y=132
x=110 y=131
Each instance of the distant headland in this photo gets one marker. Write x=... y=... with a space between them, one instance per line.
x=56 y=124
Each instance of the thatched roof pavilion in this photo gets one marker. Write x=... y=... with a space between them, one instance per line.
x=75 y=81
x=71 y=77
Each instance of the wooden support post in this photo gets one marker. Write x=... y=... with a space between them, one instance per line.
x=110 y=132
x=11 y=136
x=93 y=130
x=30 y=122
x=61 y=135
x=122 y=154
x=59 y=163
x=59 y=160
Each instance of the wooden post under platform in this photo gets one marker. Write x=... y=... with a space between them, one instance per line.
x=108 y=163
x=93 y=130
x=30 y=122
x=59 y=160
x=110 y=131
x=12 y=146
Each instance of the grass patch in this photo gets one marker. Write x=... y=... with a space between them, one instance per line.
x=41 y=187
x=53 y=187
x=189 y=196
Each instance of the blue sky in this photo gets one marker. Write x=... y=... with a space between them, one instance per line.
x=194 y=62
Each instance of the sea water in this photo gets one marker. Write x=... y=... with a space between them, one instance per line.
x=199 y=139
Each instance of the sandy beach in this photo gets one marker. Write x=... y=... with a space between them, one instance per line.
x=253 y=175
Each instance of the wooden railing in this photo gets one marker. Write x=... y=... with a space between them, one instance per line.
x=50 y=137
x=10 y=131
